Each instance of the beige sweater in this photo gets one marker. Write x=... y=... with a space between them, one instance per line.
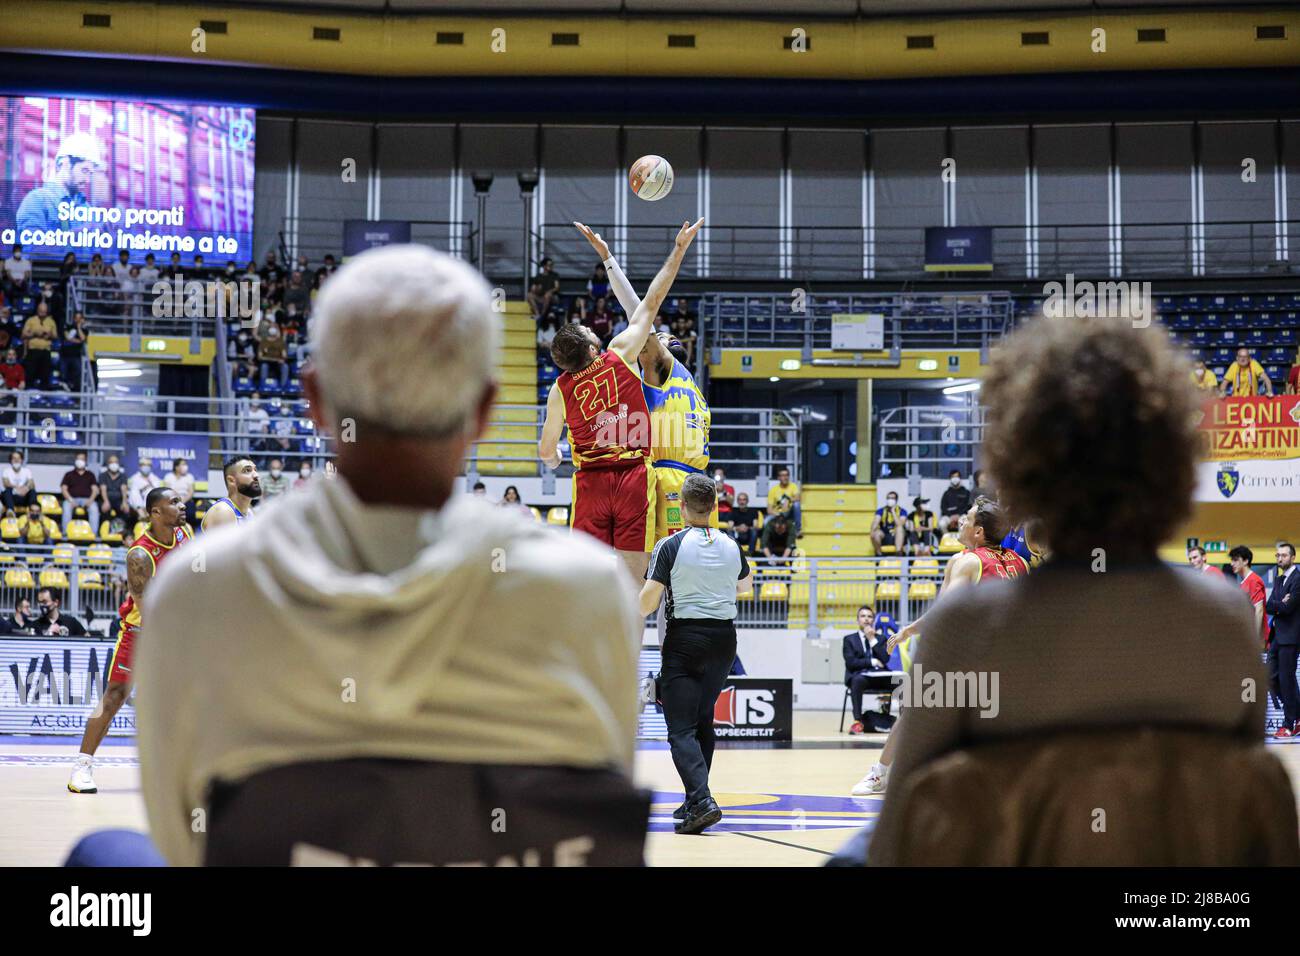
x=325 y=628
x=1074 y=650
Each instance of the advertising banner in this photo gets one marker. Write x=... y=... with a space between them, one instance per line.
x=362 y=234
x=162 y=449
x=50 y=685
x=959 y=249
x=755 y=708
x=1251 y=427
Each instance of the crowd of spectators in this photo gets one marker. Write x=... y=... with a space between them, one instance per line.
x=595 y=306
x=1245 y=376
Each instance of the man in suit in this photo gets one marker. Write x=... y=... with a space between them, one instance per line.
x=866 y=667
x=1284 y=638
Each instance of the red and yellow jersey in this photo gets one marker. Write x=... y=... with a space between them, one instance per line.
x=607 y=414
x=996 y=562
x=157 y=551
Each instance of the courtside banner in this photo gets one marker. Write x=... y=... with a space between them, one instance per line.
x=755 y=708
x=51 y=685
x=1237 y=429
x=162 y=450
x=1255 y=480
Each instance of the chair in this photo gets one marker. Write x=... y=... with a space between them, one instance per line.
x=773 y=591
x=51 y=506
x=949 y=544
x=559 y=515
x=19 y=578
x=80 y=531
x=54 y=579
x=139 y=529
x=90 y=581
x=34 y=560
x=106 y=533
x=537 y=515
x=64 y=555
x=99 y=554
x=9 y=529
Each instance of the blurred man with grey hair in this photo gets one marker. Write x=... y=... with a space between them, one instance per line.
x=405 y=665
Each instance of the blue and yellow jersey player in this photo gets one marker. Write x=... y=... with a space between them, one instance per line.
x=679 y=413
x=1025 y=541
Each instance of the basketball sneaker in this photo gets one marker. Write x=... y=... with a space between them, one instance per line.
x=875 y=781
x=700 y=817
x=857 y=728
x=646 y=695
x=680 y=812
x=82 y=780
x=1282 y=733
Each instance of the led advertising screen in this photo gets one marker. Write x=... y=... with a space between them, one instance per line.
x=92 y=175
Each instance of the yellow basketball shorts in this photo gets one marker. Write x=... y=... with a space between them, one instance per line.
x=668 y=505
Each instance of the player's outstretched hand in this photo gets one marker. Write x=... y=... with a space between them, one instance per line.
x=597 y=243
x=687 y=233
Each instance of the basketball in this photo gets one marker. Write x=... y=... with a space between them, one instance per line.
x=651 y=178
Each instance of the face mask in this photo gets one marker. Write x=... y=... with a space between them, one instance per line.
x=893 y=502
x=184 y=471
x=275 y=472
x=113 y=467
x=305 y=472
x=81 y=463
x=955 y=482
x=145 y=469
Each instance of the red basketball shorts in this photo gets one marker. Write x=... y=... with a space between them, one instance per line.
x=616 y=505
x=120 y=669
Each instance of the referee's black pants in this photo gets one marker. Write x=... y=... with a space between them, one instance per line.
x=697 y=657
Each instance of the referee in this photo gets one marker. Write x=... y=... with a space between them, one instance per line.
x=703 y=570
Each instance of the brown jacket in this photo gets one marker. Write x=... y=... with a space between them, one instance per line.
x=1144 y=797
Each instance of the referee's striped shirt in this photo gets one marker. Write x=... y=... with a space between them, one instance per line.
x=699 y=568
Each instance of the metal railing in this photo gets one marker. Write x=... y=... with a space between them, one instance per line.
x=89 y=586
x=747 y=442
x=823 y=594
x=910 y=320
x=928 y=440
x=316 y=237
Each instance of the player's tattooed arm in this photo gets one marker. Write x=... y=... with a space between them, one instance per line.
x=631 y=340
x=548 y=446
x=139 y=569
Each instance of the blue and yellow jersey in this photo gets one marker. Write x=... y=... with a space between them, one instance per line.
x=679 y=422
x=1017 y=542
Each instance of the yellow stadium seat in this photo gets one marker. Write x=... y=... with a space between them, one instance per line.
x=139 y=529
x=747 y=596
x=922 y=591
x=558 y=515
x=888 y=549
x=50 y=505
x=949 y=544
x=6 y=558
x=80 y=531
x=925 y=567
x=65 y=555
x=34 y=560
x=773 y=591
x=99 y=554
x=536 y=514
x=54 y=579
x=90 y=581
x=108 y=536
x=891 y=567
x=888 y=591
x=19 y=578
x=9 y=529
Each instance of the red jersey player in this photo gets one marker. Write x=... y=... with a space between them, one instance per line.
x=166 y=530
x=981 y=561
x=599 y=396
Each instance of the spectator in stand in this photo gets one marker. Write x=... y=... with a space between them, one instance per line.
x=114 y=492
x=271 y=272
x=1284 y=638
x=577 y=311
x=39 y=333
x=98 y=268
x=259 y=420
x=80 y=490
x=1293 y=376
x=181 y=481
x=545 y=335
x=52 y=622
x=1203 y=378
x=683 y=311
x=620 y=323
x=784 y=487
x=920 y=528
x=276 y=482
x=304 y=476
x=73 y=351
x=1245 y=376
x=1196 y=558
x=744 y=522
x=480 y=490
x=279 y=446
x=272 y=353
x=866 y=668
x=980 y=488
x=598 y=284
x=149 y=274
x=511 y=499
x=35 y=528
x=11 y=370
x=725 y=504
x=548 y=284
x=1252 y=585
x=138 y=487
x=661 y=325
x=297 y=293
x=720 y=481
x=122 y=267
x=20 y=622
x=330 y=265
x=956 y=501
x=778 y=540
x=888 y=525
x=601 y=321
x=19 y=492
x=17 y=273
x=174 y=267
x=199 y=268
x=133 y=294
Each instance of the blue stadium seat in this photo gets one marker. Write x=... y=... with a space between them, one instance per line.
x=271 y=387
x=304 y=426
x=1222 y=356
x=1255 y=338
x=1200 y=339
x=1235 y=320
x=69 y=438
x=1180 y=320
x=1278 y=356
x=42 y=436
x=300 y=409
x=244 y=386
x=1284 y=337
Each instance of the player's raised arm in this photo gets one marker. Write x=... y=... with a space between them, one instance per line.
x=623 y=290
x=548 y=446
x=962 y=570
x=631 y=340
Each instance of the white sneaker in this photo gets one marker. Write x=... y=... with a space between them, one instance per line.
x=82 y=780
x=874 y=782
x=646 y=695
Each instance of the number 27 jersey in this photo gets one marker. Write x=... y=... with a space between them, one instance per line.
x=606 y=411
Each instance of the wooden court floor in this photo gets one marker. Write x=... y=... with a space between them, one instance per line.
x=785 y=806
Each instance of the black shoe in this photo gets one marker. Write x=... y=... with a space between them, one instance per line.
x=700 y=817
x=680 y=812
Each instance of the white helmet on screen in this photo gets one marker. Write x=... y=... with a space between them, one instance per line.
x=81 y=147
